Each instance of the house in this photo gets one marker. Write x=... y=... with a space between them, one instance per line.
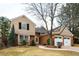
x=60 y=34
x=24 y=29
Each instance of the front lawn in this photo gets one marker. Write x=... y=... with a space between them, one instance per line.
x=34 y=51
x=76 y=45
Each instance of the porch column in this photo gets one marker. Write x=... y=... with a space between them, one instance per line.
x=29 y=40
x=38 y=40
x=18 y=39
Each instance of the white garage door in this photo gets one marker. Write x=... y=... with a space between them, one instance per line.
x=57 y=39
x=67 y=42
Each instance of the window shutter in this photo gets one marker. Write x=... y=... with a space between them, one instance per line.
x=27 y=26
x=20 y=25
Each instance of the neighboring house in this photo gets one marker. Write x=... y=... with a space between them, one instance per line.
x=24 y=29
x=59 y=35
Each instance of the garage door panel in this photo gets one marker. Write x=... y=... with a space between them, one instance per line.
x=67 y=42
x=57 y=39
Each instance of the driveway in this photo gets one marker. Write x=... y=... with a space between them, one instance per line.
x=76 y=49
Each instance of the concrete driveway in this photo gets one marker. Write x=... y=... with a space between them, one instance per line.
x=72 y=48
x=76 y=49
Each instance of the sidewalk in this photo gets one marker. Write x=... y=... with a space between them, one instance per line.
x=76 y=49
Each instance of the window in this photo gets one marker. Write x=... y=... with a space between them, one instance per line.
x=27 y=26
x=20 y=25
x=23 y=37
x=59 y=37
x=26 y=38
x=66 y=38
x=24 y=25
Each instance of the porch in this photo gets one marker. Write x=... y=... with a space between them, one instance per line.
x=27 y=38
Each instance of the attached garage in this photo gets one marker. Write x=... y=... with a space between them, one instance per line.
x=65 y=40
x=64 y=37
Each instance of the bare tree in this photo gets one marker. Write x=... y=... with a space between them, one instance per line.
x=52 y=11
x=43 y=11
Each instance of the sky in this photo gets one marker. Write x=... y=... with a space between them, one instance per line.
x=38 y=1
x=11 y=10
x=17 y=9
x=14 y=10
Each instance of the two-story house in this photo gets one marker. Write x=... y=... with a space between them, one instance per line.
x=24 y=29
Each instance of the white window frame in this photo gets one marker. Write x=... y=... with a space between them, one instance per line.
x=24 y=25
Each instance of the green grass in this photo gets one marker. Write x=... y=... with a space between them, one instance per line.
x=34 y=51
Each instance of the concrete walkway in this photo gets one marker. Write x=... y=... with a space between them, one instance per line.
x=76 y=49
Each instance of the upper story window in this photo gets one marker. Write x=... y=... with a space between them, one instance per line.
x=23 y=25
x=27 y=26
x=19 y=25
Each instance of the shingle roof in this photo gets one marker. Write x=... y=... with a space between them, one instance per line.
x=40 y=30
x=62 y=31
x=16 y=18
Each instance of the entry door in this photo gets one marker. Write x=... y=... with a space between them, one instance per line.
x=67 y=42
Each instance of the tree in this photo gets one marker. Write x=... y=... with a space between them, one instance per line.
x=4 y=30
x=43 y=11
x=70 y=13
x=11 y=40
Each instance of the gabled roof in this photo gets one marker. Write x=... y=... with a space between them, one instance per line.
x=61 y=30
x=16 y=18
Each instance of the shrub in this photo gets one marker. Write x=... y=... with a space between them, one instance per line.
x=23 y=42
x=33 y=43
x=48 y=41
x=1 y=46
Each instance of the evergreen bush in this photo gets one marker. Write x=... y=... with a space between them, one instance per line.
x=23 y=42
x=33 y=43
x=48 y=41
